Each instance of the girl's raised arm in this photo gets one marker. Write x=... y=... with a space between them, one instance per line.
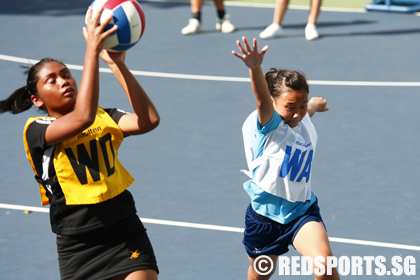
x=253 y=60
x=71 y=122
x=145 y=117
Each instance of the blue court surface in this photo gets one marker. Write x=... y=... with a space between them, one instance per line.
x=188 y=186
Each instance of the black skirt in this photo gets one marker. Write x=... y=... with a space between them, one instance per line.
x=107 y=252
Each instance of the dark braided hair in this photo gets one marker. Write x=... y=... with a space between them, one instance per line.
x=279 y=80
x=20 y=100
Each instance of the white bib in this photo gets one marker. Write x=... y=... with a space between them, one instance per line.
x=284 y=168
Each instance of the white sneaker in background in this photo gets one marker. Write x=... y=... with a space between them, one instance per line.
x=271 y=31
x=310 y=32
x=224 y=24
x=194 y=26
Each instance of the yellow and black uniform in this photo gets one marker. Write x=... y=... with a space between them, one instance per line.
x=85 y=184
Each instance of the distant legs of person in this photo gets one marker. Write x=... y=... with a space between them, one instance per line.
x=275 y=29
x=195 y=25
x=310 y=30
x=223 y=23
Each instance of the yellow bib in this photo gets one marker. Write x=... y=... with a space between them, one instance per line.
x=87 y=166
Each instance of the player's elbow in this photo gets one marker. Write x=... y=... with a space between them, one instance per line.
x=145 y=126
x=87 y=119
x=154 y=122
x=83 y=118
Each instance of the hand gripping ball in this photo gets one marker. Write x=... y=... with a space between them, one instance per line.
x=129 y=17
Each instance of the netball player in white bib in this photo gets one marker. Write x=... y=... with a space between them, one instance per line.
x=280 y=142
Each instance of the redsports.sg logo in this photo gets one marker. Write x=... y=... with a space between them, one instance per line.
x=353 y=265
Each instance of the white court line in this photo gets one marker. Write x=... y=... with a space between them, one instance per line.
x=220 y=78
x=224 y=228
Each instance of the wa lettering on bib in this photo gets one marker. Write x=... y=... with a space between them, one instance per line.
x=284 y=168
x=293 y=164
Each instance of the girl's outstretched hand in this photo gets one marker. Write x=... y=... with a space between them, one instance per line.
x=251 y=57
x=317 y=104
x=95 y=33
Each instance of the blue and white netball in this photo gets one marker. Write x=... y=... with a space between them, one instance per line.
x=129 y=17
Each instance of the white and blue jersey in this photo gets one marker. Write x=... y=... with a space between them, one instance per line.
x=279 y=162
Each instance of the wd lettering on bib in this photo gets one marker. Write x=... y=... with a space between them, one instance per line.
x=294 y=165
x=88 y=168
x=91 y=162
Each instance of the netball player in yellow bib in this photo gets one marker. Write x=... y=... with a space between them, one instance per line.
x=73 y=152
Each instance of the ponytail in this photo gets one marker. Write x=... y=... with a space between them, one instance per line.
x=18 y=102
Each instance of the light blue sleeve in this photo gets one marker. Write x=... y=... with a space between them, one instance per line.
x=261 y=133
x=271 y=125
